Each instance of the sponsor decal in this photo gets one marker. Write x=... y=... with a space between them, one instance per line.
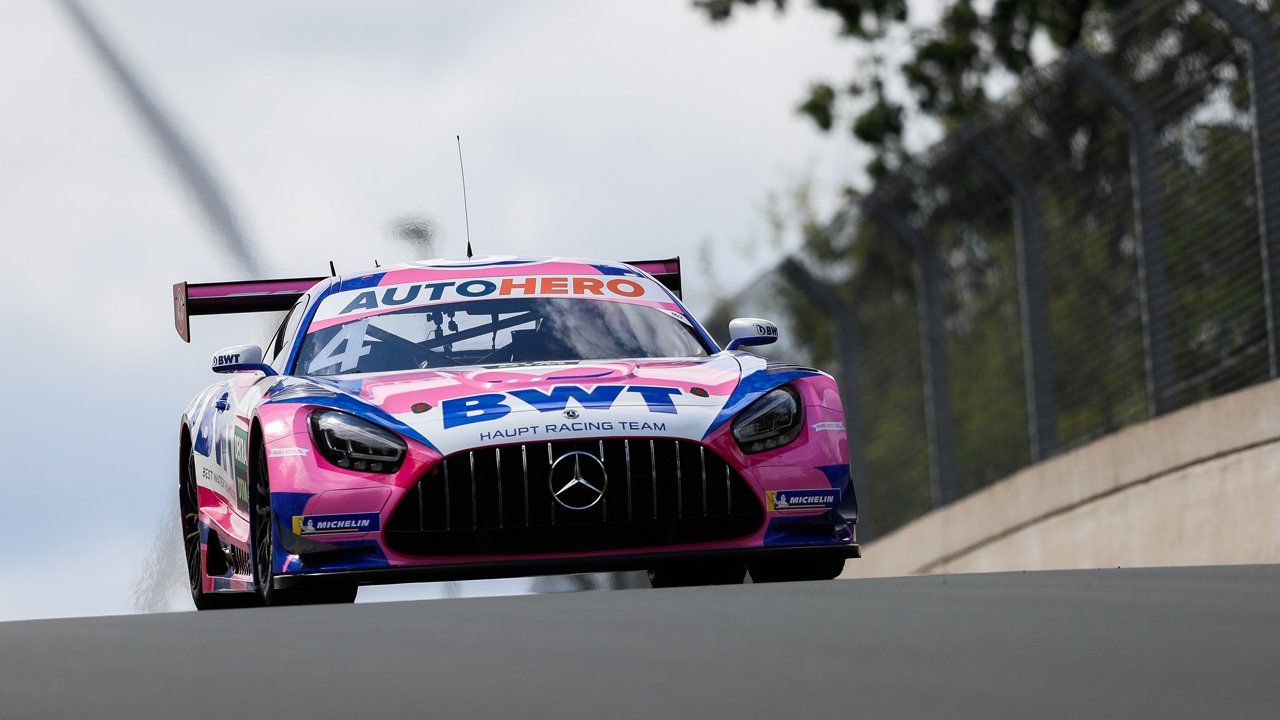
x=679 y=316
x=226 y=359
x=240 y=466
x=399 y=297
x=216 y=478
x=554 y=429
x=333 y=524
x=289 y=452
x=492 y=406
x=828 y=426
x=802 y=499
x=514 y=405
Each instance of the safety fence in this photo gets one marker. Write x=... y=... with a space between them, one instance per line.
x=1102 y=248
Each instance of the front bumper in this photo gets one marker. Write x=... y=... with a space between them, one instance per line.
x=556 y=566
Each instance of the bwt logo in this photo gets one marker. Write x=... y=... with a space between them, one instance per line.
x=491 y=406
x=766 y=330
x=226 y=359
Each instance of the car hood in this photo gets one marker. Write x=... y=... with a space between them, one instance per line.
x=465 y=408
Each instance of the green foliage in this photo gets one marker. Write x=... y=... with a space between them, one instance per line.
x=948 y=66
x=1193 y=75
x=820 y=105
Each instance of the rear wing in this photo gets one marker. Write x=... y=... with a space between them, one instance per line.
x=666 y=272
x=225 y=298
x=247 y=296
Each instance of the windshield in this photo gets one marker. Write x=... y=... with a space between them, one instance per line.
x=487 y=332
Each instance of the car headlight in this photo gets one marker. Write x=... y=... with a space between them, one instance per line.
x=354 y=444
x=770 y=422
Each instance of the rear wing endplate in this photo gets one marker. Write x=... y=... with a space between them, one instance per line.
x=666 y=272
x=225 y=298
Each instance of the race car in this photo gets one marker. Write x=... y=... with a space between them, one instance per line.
x=501 y=417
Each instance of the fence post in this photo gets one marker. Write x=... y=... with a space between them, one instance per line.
x=1148 y=221
x=847 y=347
x=1264 y=90
x=1037 y=350
x=937 y=385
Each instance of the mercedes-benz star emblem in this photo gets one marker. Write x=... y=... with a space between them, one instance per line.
x=577 y=480
x=571 y=414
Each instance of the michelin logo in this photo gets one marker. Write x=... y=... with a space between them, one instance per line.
x=332 y=524
x=802 y=499
x=828 y=426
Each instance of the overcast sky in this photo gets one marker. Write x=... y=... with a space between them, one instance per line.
x=610 y=129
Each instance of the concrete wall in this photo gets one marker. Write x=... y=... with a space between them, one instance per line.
x=1198 y=486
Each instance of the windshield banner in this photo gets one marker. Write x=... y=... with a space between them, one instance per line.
x=350 y=305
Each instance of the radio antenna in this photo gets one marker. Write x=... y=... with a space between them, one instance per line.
x=465 y=213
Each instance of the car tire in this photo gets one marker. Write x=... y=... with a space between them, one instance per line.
x=189 y=526
x=823 y=567
x=262 y=535
x=189 y=523
x=690 y=574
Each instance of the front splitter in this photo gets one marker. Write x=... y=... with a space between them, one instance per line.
x=555 y=566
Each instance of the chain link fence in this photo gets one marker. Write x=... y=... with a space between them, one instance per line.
x=1102 y=248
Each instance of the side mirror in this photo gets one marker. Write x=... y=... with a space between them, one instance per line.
x=745 y=332
x=240 y=358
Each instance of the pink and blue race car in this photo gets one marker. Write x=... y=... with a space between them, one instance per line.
x=501 y=417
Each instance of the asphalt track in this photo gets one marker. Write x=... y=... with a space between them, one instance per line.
x=1172 y=643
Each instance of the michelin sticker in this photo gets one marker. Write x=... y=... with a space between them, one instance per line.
x=333 y=524
x=828 y=426
x=802 y=499
x=289 y=452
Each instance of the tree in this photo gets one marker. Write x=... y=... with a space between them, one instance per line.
x=1192 y=72
x=948 y=70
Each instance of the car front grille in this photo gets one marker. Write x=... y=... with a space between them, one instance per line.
x=498 y=501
